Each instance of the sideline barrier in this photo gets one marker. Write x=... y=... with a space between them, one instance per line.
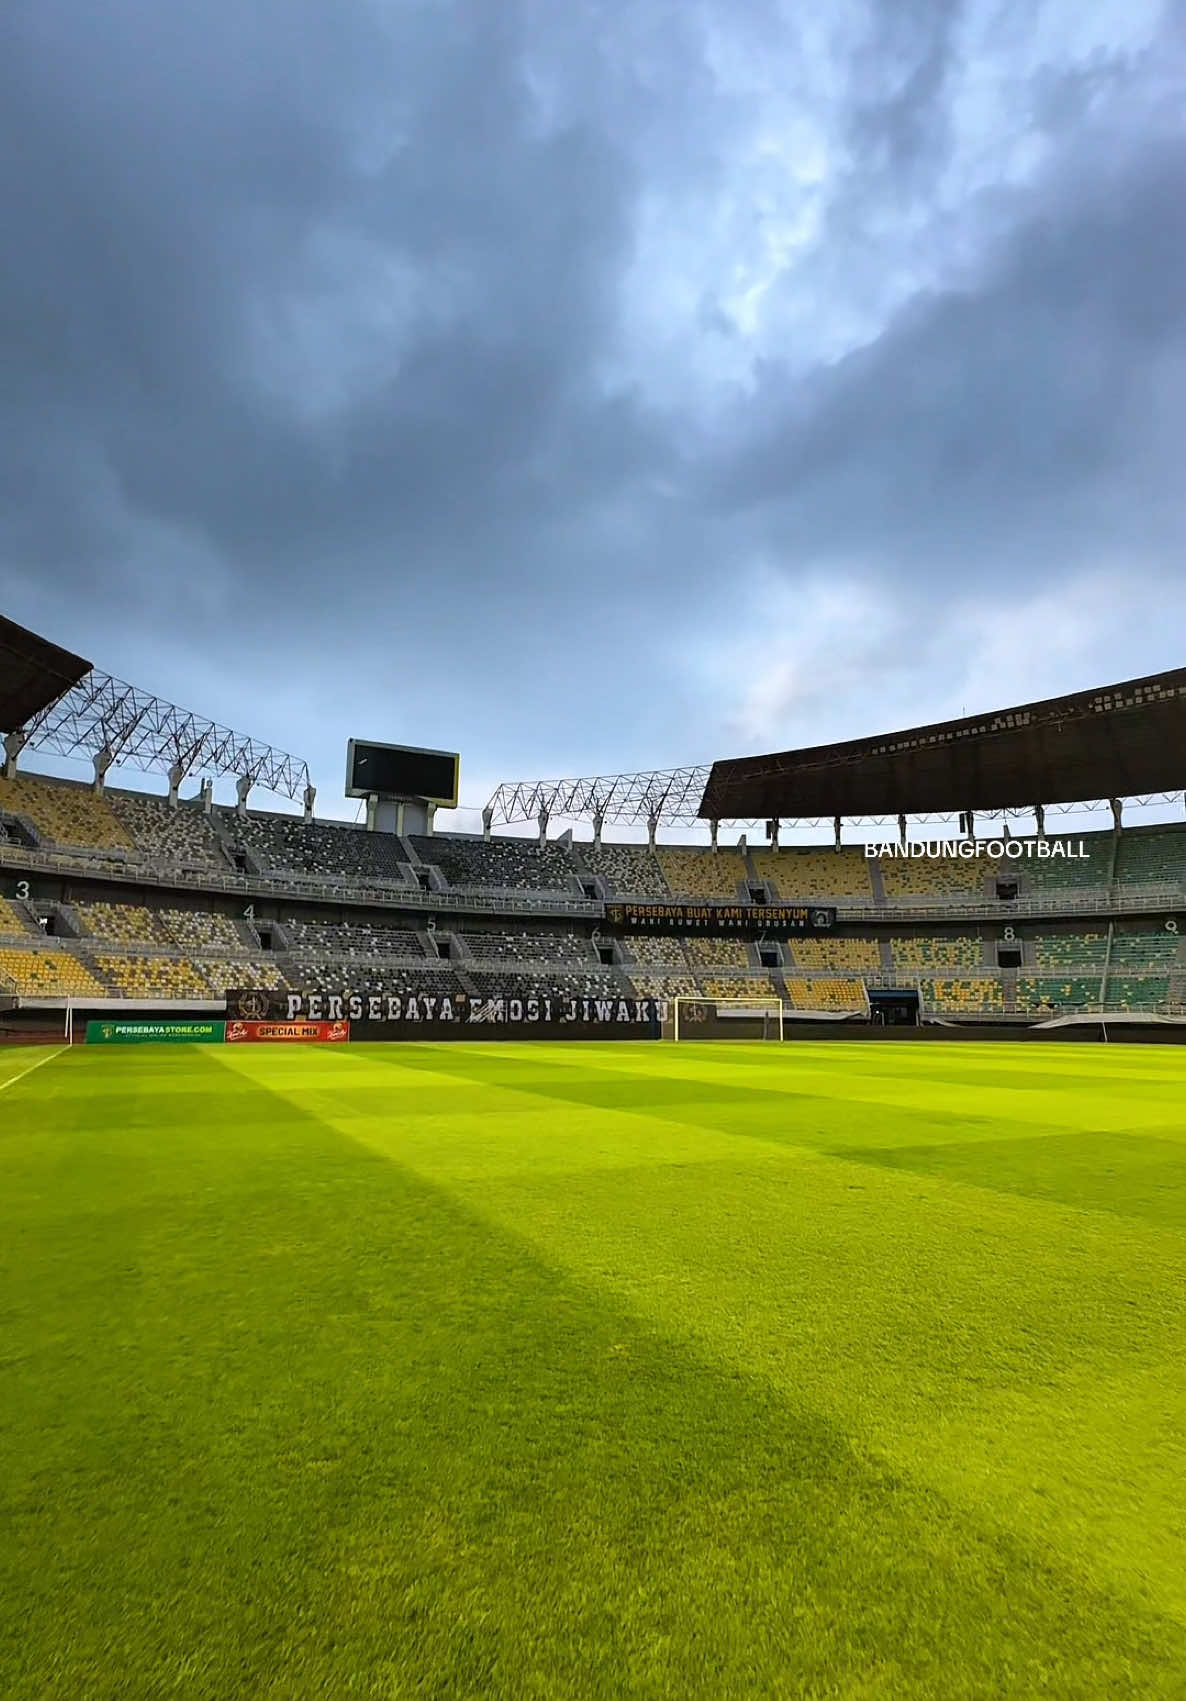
x=298 y=1033
x=155 y=1033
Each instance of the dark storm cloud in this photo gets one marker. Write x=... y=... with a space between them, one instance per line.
x=395 y=349
x=1012 y=427
x=191 y=216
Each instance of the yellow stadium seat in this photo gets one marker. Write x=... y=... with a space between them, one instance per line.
x=826 y=953
x=831 y=993
x=64 y=813
x=122 y=924
x=959 y=951
x=936 y=877
x=815 y=873
x=153 y=977
x=35 y=973
x=692 y=872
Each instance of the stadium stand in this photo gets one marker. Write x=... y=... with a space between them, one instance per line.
x=978 y=995
x=837 y=994
x=121 y=924
x=664 y=986
x=157 y=976
x=1152 y=856
x=182 y=835
x=287 y=844
x=594 y=984
x=913 y=952
x=629 y=871
x=753 y=986
x=717 y=953
x=1137 y=992
x=165 y=948
x=342 y=940
x=390 y=977
x=201 y=930
x=505 y=864
x=694 y=873
x=34 y=973
x=1137 y=948
x=1066 y=873
x=11 y=919
x=809 y=953
x=936 y=877
x=1069 y=951
x=63 y=813
x=813 y=873
x=222 y=977
x=1064 y=994
x=657 y=952
x=527 y=947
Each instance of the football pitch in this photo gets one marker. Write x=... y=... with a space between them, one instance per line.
x=593 y=1370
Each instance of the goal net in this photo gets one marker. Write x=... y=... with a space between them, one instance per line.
x=724 y=1018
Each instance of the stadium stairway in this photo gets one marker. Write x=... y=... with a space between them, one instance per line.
x=239 y=857
x=17 y=920
x=249 y=934
x=418 y=872
x=876 y=880
x=67 y=921
x=21 y=830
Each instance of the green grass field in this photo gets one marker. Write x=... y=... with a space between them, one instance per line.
x=593 y=1371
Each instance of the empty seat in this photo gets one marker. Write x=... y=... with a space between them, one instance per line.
x=692 y=871
x=162 y=833
x=832 y=993
x=942 y=951
x=64 y=814
x=814 y=872
x=134 y=976
x=830 y=953
x=504 y=863
x=122 y=924
x=957 y=995
x=1152 y=856
x=289 y=844
x=34 y=973
x=1066 y=872
x=937 y=877
x=717 y=953
x=629 y=871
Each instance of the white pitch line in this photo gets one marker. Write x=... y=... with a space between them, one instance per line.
x=20 y=1075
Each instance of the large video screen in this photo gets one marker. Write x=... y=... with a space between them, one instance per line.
x=400 y=770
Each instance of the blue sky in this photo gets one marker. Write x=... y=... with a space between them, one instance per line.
x=594 y=386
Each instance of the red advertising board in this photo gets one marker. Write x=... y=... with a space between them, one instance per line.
x=314 y=1033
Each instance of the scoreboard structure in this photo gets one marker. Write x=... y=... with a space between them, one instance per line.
x=750 y=921
x=402 y=771
x=404 y=784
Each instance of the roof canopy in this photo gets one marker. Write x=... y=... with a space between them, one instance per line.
x=33 y=674
x=1116 y=741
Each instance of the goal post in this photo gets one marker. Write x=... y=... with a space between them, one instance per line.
x=707 y=1018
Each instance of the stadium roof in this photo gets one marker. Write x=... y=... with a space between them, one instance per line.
x=1121 y=741
x=33 y=674
x=64 y=705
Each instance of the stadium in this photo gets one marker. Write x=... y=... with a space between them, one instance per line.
x=546 y=1263
x=122 y=904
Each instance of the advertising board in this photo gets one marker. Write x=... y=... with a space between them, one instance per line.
x=155 y=1033
x=286 y=1033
